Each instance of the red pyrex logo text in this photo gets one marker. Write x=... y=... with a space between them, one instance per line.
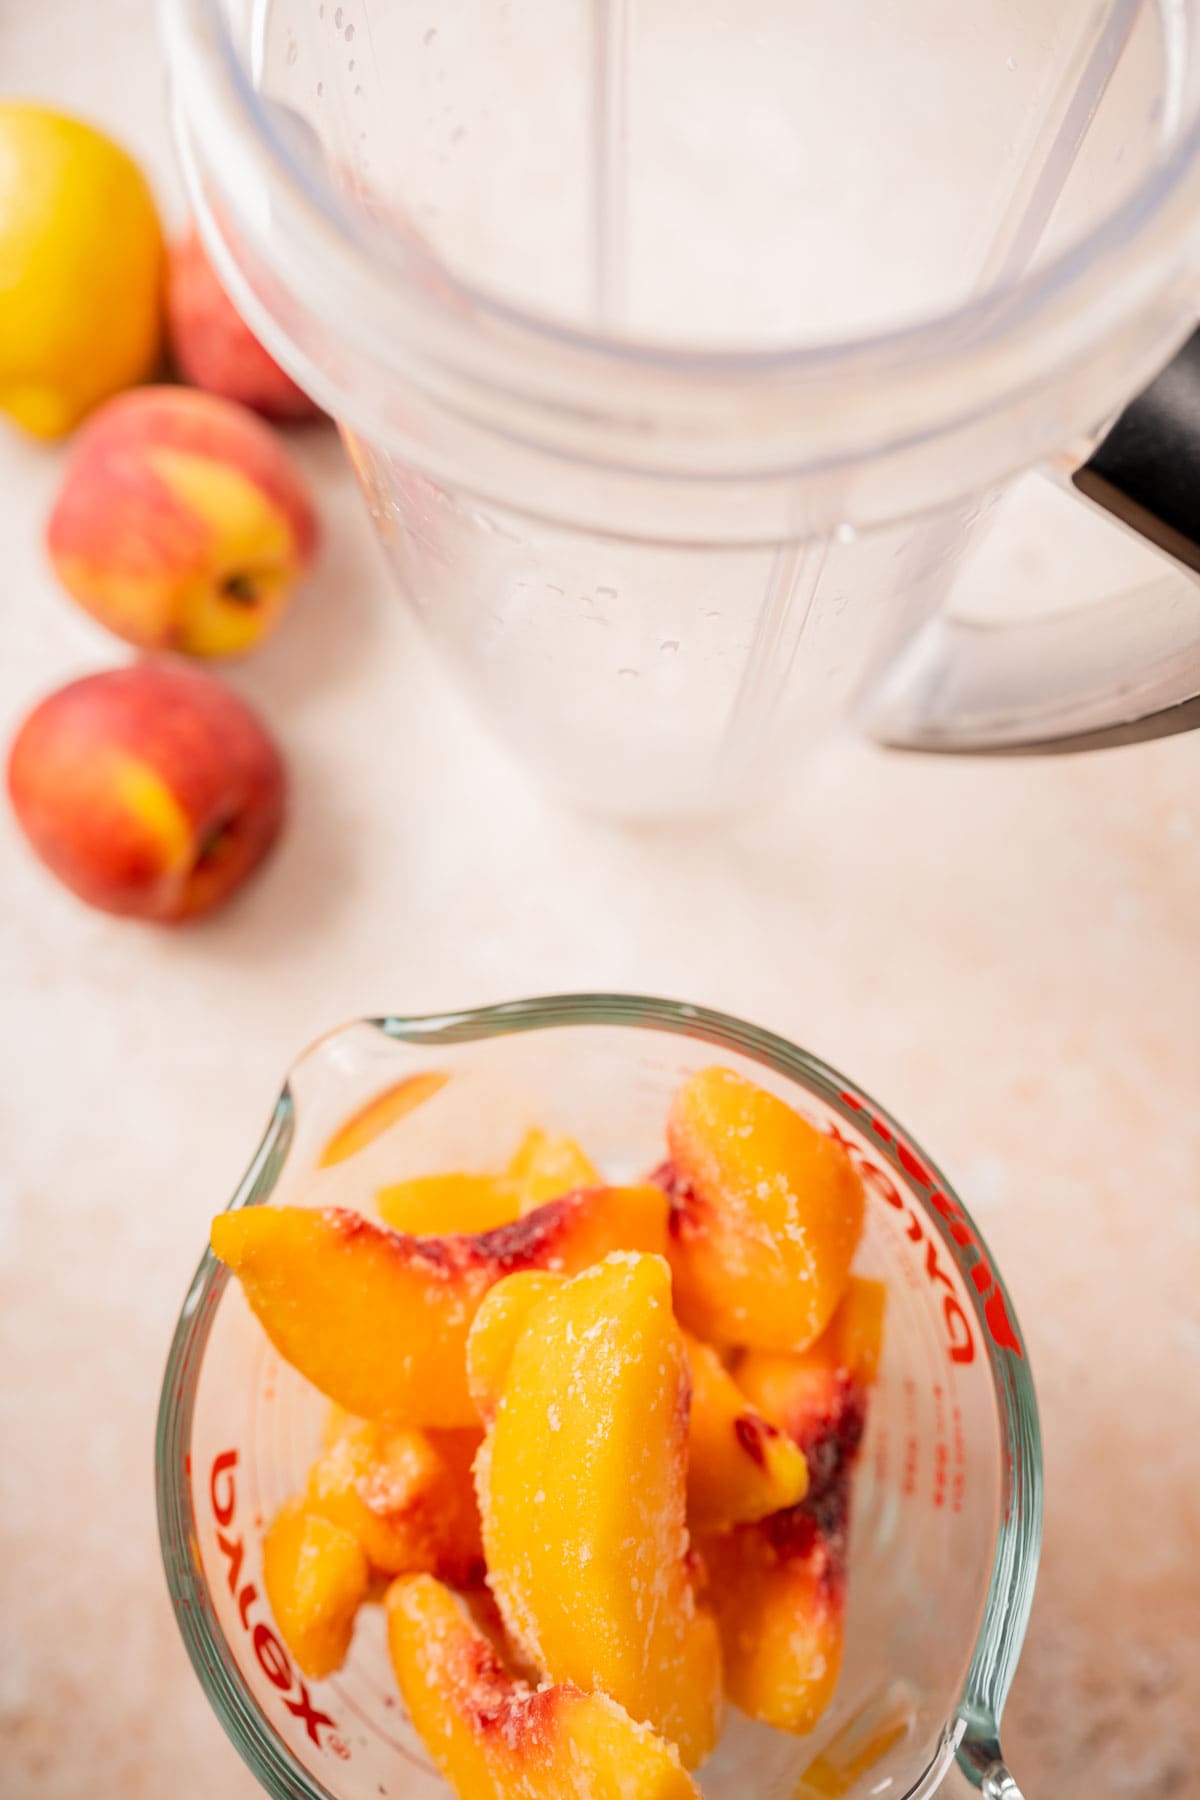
x=272 y=1658
x=971 y=1252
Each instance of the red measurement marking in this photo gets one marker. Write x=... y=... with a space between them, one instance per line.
x=908 y=1479
x=269 y=1653
x=971 y=1254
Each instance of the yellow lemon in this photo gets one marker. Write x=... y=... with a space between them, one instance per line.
x=81 y=269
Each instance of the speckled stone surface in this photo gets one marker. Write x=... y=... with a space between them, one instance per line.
x=1009 y=955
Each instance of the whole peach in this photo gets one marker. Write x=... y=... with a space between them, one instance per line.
x=151 y=791
x=212 y=346
x=181 y=523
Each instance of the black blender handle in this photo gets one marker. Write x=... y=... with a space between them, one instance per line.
x=1146 y=472
x=947 y=695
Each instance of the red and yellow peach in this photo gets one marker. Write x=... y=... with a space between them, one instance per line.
x=212 y=346
x=151 y=791
x=181 y=523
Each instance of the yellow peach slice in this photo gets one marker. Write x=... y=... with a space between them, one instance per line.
x=887 y=1717
x=406 y=1495
x=767 y=1215
x=495 y=1738
x=337 y=1423
x=778 y=1590
x=543 y=1167
x=316 y=1578
x=378 y=1320
x=493 y=1336
x=582 y=1492
x=378 y=1114
x=818 y=1396
x=740 y=1466
x=778 y=1587
x=429 y=1205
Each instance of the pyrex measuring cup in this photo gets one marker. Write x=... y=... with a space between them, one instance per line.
x=682 y=350
x=946 y=1508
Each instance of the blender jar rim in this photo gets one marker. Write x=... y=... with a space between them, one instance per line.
x=647 y=440
x=208 y=71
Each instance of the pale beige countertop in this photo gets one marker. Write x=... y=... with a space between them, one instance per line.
x=1008 y=955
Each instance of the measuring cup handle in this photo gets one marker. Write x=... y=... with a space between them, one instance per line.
x=1124 y=669
x=972 y=1776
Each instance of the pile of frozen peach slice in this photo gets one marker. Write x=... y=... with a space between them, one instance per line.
x=619 y=1421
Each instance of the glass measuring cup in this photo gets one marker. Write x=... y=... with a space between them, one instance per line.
x=947 y=1500
x=683 y=351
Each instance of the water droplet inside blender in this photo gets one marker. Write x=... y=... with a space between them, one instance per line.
x=633 y=673
x=320 y=89
x=430 y=36
x=349 y=34
x=337 y=18
x=669 y=646
x=293 y=51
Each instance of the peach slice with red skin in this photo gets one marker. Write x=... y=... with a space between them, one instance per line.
x=740 y=1466
x=582 y=1490
x=495 y=1738
x=767 y=1213
x=818 y=1396
x=316 y=1577
x=777 y=1588
x=378 y=1320
x=406 y=1495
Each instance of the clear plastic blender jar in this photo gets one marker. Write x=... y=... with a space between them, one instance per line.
x=683 y=351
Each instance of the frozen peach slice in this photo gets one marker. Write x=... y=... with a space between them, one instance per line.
x=406 y=1495
x=337 y=1423
x=316 y=1578
x=494 y=1332
x=739 y=1465
x=380 y=1113
x=429 y=1205
x=378 y=1320
x=778 y=1587
x=543 y=1167
x=495 y=1738
x=582 y=1492
x=818 y=1396
x=767 y=1214
x=778 y=1590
